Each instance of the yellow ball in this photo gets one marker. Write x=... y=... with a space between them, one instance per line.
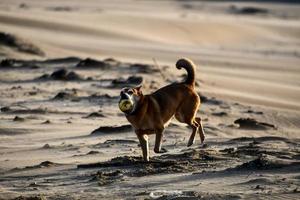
x=125 y=105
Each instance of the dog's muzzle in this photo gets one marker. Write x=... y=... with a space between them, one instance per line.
x=126 y=104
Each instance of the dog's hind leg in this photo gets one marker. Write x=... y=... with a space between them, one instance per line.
x=194 y=125
x=191 y=121
x=200 y=129
x=186 y=113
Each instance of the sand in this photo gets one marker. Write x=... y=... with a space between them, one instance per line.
x=64 y=62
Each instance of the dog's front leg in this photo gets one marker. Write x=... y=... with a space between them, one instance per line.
x=143 y=138
x=158 y=141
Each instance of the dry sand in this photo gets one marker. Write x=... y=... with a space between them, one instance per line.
x=63 y=137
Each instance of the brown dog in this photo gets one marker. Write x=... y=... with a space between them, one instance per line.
x=148 y=114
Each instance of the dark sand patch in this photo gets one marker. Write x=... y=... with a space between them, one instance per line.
x=112 y=129
x=59 y=61
x=118 y=142
x=144 y=68
x=47 y=122
x=248 y=10
x=23 y=6
x=35 y=64
x=72 y=94
x=44 y=164
x=37 y=197
x=93 y=152
x=5 y=109
x=94 y=115
x=62 y=8
x=102 y=96
x=105 y=178
x=130 y=81
x=210 y=100
x=256 y=148
x=19 y=119
x=66 y=95
x=256 y=181
x=92 y=63
x=112 y=61
x=17 y=64
x=220 y=114
x=47 y=146
x=19 y=44
x=252 y=124
x=254 y=112
x=41 y=111
x=24 y=111
x=191 y=195
x=266 y=162
x=14 y=131
x=62 y=75
x=262 y=139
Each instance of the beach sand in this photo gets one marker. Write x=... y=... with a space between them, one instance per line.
x=64 y=62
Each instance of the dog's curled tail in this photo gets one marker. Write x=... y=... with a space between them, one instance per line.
x=189 y=66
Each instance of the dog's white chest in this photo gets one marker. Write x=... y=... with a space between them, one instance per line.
x=167 y=123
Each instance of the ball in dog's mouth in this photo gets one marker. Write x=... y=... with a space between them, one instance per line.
x=126 y=105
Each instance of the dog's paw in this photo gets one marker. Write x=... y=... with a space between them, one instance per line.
x=202 y=139
x=190 y=143
x=162 y=150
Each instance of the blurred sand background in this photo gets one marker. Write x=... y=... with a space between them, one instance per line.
x=247 y=55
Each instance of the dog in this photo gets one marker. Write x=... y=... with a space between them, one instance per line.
x=149 y=114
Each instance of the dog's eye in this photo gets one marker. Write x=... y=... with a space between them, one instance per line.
x=130 y=92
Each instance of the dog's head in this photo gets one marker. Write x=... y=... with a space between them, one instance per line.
x=129 y=99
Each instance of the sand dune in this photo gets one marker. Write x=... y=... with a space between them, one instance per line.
x=249 y=42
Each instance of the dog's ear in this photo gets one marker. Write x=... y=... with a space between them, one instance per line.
x=139 y=89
